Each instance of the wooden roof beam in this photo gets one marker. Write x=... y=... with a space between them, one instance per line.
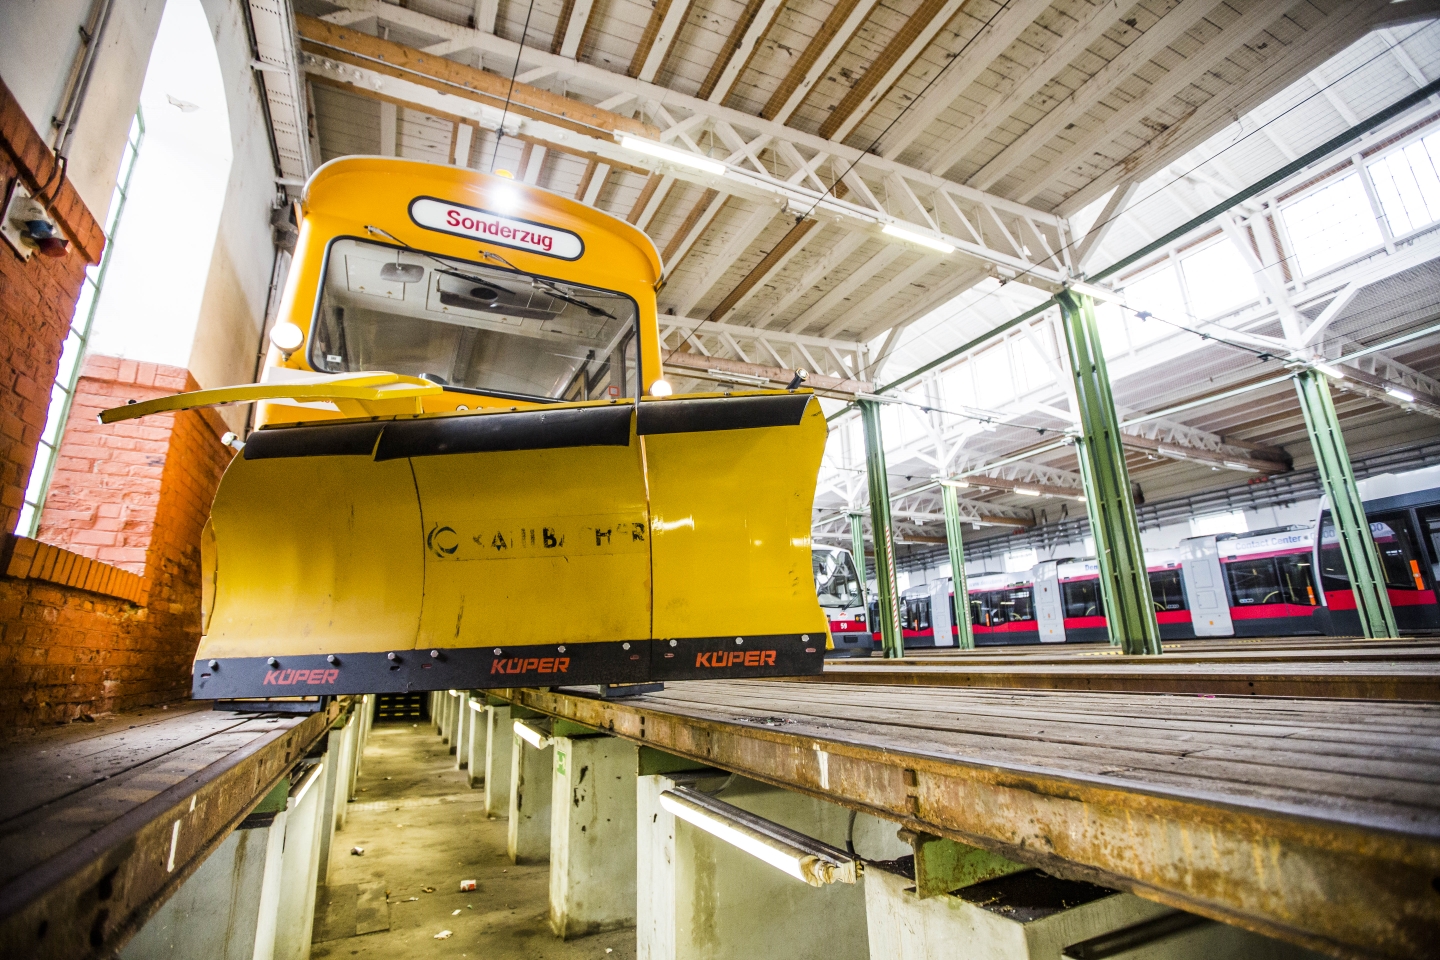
x=744 y=40
x=839 y=27
x=892 y=63
x=989 y=42
x=657 y=39
x=1170 y=27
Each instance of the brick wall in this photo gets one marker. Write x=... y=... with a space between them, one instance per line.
x=132 y=495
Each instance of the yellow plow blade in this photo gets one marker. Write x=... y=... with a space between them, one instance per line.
x=356 y=394
x=569 y=544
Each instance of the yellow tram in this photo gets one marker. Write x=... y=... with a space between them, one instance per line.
x=469 y=472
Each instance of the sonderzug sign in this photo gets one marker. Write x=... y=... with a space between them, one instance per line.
x=477 y=224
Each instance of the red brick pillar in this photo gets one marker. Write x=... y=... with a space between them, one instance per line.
x=136 y=494
x=37 y=299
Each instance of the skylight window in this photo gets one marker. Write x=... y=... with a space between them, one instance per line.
x=1218 y=280
x=1407 y=181
x=1332 y=224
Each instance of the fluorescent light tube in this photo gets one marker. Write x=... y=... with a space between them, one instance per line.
x=1027 y=491
x=900 y=233
x=531 y=736
x=1333 y=372
x=1399 y=394
x=673 y=155
x=816 y=866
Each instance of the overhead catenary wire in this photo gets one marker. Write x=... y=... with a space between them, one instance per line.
x=519 y=51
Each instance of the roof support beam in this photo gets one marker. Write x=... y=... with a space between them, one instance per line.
x=1098 y=18
x=772 y=263
x=902 y=50
x=839 y=27
x=665 y=22
x=832 y=259
x=992 y=40
x=567 y=41
x=846 y=285
x=1109 y=216
x=749 y=30
x=744 y=234
x=1170 y=28
x=1256 y=19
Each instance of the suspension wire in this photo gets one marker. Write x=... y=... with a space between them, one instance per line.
x=500 y=131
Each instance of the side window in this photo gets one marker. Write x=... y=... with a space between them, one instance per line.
x=1022 y=605
x=1333 y=575
x=979 y=612
x=1082 y=598
x=1297 y=586
x=1397 y=552
x=1253 y=582
x=1166 y=590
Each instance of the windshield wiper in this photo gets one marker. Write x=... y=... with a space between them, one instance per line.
x=539 y=282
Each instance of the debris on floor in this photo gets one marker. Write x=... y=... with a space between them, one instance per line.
x=467 y=886
x=428 y=889
x=444 y=935
x=357 y=851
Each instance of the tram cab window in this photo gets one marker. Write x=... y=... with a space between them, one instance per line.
x=1398 y=558
x=1019 y=605
x=471 y=326
x=1297 y=585
x=836 y=583
x=1082 y=598
x=1430 y=530
x=1166 y=591
x=1253 y=582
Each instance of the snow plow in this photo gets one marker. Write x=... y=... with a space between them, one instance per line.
x=468 y=470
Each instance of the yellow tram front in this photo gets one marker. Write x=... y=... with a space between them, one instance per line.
x=468 y=471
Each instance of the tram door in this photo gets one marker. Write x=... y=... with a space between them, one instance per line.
x=1205 y=586
x=1049 y=607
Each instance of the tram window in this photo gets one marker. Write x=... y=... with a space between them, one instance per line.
x=1297 y=585
x=917 y=614
x=1397 y=552
x=1082 y=598
x=979 y=612
x=1166 y=591
x=836 y=582
x=471 y=326
x=1020 y=604
x=1253 y=582
x=1430 y=521
x=1398 y=557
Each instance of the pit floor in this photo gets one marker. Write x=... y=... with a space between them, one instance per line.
x=421 y=826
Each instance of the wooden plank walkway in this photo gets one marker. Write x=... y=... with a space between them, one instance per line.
x=1313 y=820
x=1349 y=669
x=100 y=822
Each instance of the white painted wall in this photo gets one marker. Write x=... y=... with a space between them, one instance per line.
x=39 y=40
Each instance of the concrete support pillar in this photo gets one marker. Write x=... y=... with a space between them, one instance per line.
x=300 y=867
x=334 y=748
x=529 y=811
x=499 y=746
x=216 y=913
x=1009 y=918
x=433 y=706
x=272 y=817
x=462 y=730
x=955 y=541
x=592 y=836
x=891 y=639
x=698 y=898
x=447 y=716
x=1347 y=510
x=475 y=748
x=1109 y=500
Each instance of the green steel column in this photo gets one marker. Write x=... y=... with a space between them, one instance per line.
x=1352 y=530
x=891 y=639
x=1124 y=584
x=956 y=543
x=857 y=545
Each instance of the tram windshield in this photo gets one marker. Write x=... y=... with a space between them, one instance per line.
x=472 y=326
x=836 y=583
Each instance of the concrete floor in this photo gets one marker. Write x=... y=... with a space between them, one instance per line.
x=421 y=826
